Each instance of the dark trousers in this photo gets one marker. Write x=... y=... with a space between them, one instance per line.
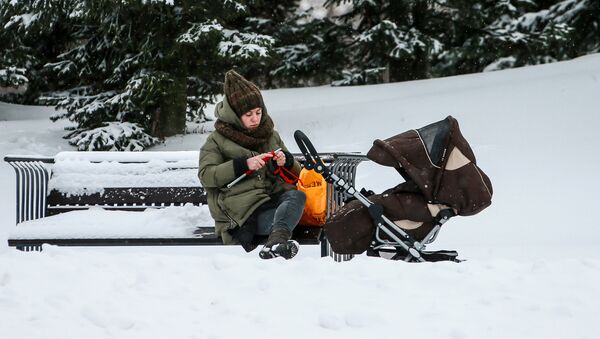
x=285 y=212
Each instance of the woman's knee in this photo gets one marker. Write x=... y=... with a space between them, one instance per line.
x=299 y=196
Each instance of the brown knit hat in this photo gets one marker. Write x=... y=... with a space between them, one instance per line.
x=242 y=94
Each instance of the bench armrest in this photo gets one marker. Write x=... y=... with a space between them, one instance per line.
x=32 y=176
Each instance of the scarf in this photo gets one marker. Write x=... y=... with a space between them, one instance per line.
x=250 y=139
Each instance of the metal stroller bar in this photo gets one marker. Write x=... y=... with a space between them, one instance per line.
x=384 y=224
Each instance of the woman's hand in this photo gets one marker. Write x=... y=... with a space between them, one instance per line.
x=279 y=158
x=257 y=162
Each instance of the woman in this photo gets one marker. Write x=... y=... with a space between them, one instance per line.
x=262 y=203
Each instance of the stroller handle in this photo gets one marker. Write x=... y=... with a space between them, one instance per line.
x=313 y=160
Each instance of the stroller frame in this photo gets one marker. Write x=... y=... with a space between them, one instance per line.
x=404 y=246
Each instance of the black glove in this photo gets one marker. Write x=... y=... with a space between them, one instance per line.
x=289 y=160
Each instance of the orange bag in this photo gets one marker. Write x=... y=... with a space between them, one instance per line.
x=315 y=187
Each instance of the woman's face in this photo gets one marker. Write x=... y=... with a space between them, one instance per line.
x=251 y=119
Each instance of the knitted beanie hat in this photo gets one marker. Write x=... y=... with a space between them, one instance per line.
x=242 y=94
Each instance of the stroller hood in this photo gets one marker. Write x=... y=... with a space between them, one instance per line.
x=439 y=160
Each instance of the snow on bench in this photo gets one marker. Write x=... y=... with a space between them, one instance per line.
x=98 y=223
x=85 y=173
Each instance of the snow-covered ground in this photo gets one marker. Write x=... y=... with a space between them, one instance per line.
x=533 y=268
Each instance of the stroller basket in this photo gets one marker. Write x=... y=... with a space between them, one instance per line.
x=441 y=180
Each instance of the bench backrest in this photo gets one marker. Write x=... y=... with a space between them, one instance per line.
x=123 y=181
x=127 y=181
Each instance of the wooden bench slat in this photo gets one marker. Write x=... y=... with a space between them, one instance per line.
x=132 y=195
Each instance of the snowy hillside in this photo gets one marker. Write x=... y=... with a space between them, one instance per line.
x=533 y=267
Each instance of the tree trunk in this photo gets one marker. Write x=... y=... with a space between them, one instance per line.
x=414 y=67
x=386 y=74
x=173 y=109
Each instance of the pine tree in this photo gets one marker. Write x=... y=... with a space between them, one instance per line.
x=130 y=72
x=308 y=50
x=268 y=17
x=569 y=28
x=33 y=32
x=218 y=44
x=491 y=35
x=584 y=17
x=391 y=40
x=15 y=57
x=404 y=40
x=138 y=64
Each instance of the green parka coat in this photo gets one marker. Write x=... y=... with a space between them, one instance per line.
x=231 y=207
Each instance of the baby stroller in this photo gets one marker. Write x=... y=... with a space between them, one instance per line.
x=442 y=180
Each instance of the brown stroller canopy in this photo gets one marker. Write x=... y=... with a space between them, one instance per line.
x=439 y=160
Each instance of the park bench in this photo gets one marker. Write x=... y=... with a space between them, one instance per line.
x=129 y=181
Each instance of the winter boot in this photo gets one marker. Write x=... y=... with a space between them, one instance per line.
x=279 y=245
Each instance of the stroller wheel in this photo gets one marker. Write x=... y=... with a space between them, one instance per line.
x=401 y=255
x=443 y=255
x=386 y=253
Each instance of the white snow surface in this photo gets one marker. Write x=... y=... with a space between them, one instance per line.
x=533 y=263
x=170 y=222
